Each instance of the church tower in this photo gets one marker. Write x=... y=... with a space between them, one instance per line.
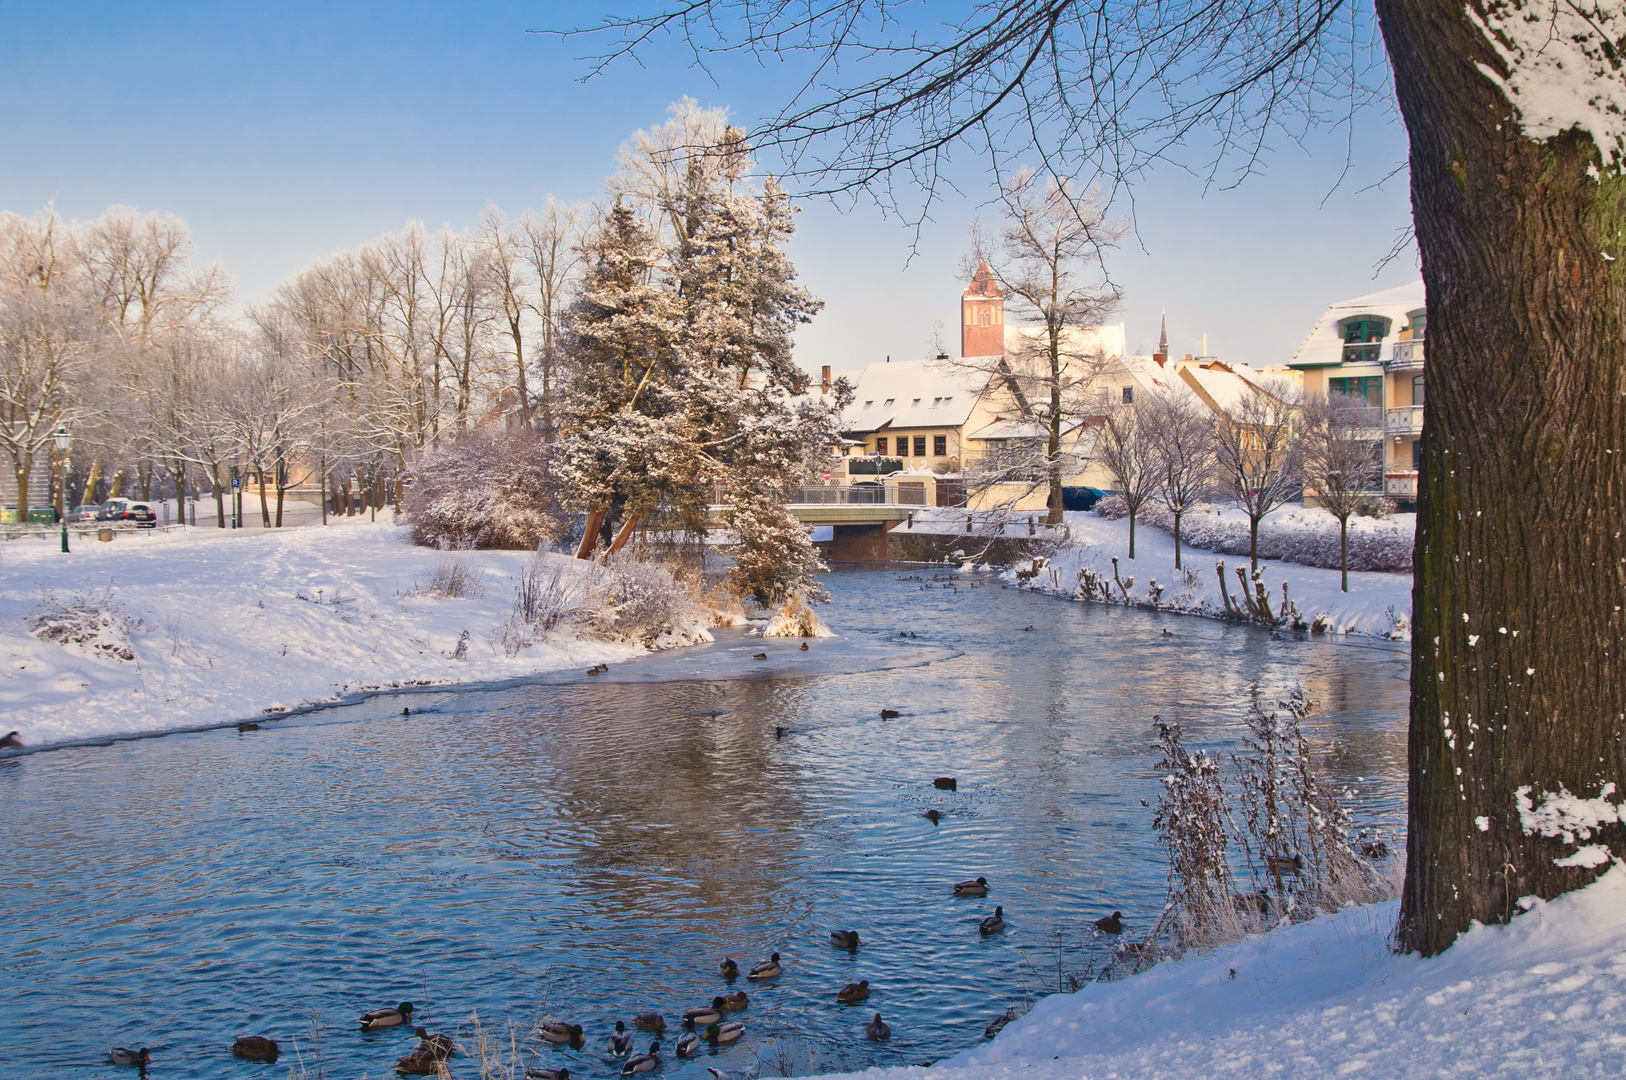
x=982 y=316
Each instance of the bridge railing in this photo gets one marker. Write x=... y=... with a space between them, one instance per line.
x=861 y=495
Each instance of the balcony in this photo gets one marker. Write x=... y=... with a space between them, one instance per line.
x=1367 y=353
x=1406 y=420
x=1408 y=356
x=1400 y=485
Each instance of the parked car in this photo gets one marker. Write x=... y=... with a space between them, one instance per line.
x=144 y=516
x=88 y=512
x=112 y=510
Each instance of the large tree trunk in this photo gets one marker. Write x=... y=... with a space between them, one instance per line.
x=1177 y=541
x=1517 y=683
x=92 y=478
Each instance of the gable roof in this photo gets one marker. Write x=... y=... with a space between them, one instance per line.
x=912 y=393
x=1324 y=346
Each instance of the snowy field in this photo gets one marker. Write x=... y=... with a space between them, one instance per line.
x=1542 y=997
x=225 y=626
x=1377 y=604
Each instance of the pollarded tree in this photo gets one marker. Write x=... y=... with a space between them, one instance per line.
x=1343 y=462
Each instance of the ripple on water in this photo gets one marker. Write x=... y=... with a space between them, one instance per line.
x=591 y=850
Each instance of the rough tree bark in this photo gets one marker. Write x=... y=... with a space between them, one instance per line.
x=1520 y=580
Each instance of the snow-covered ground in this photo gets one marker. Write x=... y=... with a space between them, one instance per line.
x=1377 y=604
x=224 y=626
x=1544 y=996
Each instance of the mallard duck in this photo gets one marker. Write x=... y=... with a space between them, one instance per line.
x=706 y=1014
x=644 y=1062
x=750 y=1072
x=560 y=1033
x=621 y=1041
x=845 y=939
x=688 y=1044
x=436 y=1044
x=724 y=1034
x=853 y=992
x=421 y=1062
x=256 y=1048
x=247 y=726
x=890 y=714
x=736 y=1002
x=977 y=887
x=768 y=969
x=877 y=1029
x=121 y=1056
x=1281 y=864
x=379 y=1019
x=760 y=656
x=946 y=783
x=650 y=1022
x=804 y=646
x=1111 y=924
x=932 y=816
x=547 y=1074
x=729 y=968
x=997 y=1024
x=13 y=741
x=994 y=923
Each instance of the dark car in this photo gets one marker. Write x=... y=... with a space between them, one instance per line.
x=144 y=516
x=112 y=510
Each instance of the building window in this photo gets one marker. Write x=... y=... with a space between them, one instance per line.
x=1417 y=390
x=880 y=446
x=983 y=317
x=1129 y=395
x=1362 y=340
x=1365 y=391
x=887 y=404
x=920 y=446
x=940 y=445
x=917 y=401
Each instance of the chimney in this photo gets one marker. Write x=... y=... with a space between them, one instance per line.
x=824 y=377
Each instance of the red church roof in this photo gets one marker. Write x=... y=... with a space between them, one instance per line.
x=984 y=284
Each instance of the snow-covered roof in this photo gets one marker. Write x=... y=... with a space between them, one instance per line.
x=1325 y=345
x=1077 y=339
x=1010 y=429
x=1152 y=376
x=912 y=393
x=1222 y=386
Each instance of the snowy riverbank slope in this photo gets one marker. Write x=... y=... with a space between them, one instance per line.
x=1542 y=997
x=224 y=626
x=1377 y=604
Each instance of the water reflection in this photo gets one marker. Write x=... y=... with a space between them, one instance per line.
x=590 y=850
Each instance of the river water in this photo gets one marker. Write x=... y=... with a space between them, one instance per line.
x=589 y=849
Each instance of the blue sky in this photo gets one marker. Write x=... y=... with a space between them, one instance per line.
x=285 y=132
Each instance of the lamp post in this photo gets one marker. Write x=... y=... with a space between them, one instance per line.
x=63 y=440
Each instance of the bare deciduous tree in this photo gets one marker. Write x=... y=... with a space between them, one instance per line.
x=1128 y=448
x=1183 y=432
x=1343 y=463
x=1257 y=453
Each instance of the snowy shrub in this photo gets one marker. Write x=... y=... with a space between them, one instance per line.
x=452 y=578
x=1191 y=821
x=646 y=602
x=796 y=619
x=90 y=622
x=554 y=593
x=1113 y=508
x=483 y=490
x=1379 y=542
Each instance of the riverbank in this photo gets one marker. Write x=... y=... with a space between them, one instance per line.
x=1544 y=996
x=194 y=628
x=1378 y=604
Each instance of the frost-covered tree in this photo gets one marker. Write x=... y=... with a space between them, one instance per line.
x=1128 y=450
x=1257 y=454
x=1182 y=431
x=690 y=318
x=1343 y=463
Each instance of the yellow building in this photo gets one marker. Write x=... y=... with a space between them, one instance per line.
x=1367 y=353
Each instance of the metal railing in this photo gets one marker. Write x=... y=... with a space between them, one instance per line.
x=1400 y=485
x=862 y=495
x=1407 y=355
x=1405 y=420
x=1363 y=353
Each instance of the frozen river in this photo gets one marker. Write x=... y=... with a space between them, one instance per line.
x=589 y=849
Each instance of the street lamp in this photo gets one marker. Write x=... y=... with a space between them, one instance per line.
x=62 y=440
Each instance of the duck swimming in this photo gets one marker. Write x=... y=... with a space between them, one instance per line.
x=768 y=969
x=725 y=1034
x=728 y=967
x=434 y=1044
x=946 y=783
x=13 y=741
x=256 y=1048
x=560 y=1033
x=379 y=1019
x=650 y=1022
x=877 y=1029
x=644 y=1062
x=736 y=1002
x=689 y=1042
x=121 y=1056
x=706 y=1014
x=853 y=992
x=621 y=1041
x=844 y=939
x=547 y=1074
x=1111 y=924
x=994 y=923
x=977 y=887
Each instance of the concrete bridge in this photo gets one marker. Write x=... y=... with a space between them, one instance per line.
x=860 y=515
